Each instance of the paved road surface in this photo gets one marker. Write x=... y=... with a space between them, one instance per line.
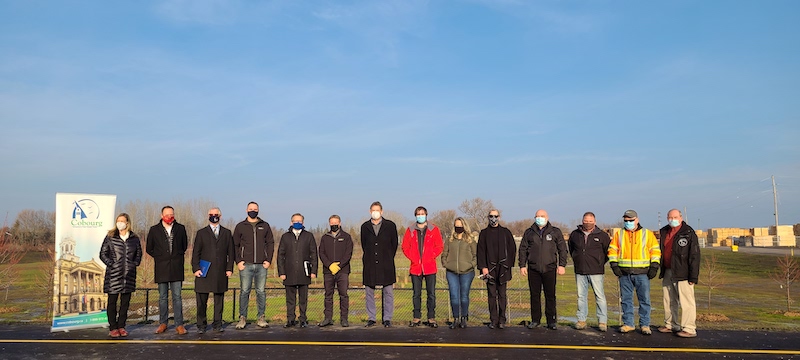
x=36 y=342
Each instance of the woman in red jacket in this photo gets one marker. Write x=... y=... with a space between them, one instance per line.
x=422 y=244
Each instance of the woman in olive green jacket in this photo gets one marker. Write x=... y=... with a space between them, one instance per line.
x=460 y=258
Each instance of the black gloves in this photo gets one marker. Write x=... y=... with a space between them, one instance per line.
x=615 y=269
x=653 y=271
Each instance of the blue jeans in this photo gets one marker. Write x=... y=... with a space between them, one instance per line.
x=599 y=297
x=251 y=273
x=163 y=301
x=459 y=285
x=627 y=283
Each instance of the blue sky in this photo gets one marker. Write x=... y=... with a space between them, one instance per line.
x=322 y=107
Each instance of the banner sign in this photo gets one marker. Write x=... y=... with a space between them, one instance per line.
x=82 y=222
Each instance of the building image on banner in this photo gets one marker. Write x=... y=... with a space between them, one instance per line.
x=82 y=221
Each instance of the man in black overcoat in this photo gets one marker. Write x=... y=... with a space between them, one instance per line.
x=379 y=243
x=297 y=265
x=213 y=244
x=496 y=253
x=167 y=243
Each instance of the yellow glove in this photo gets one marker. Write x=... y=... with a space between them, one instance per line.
x=335 y=268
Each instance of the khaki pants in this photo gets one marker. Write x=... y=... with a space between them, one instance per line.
x=679 y=294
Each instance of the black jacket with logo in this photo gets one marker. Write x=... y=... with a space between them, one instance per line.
x=333 y=249
x=253 y=245
x=685 y=262
x=589 y=252
x=543 y=252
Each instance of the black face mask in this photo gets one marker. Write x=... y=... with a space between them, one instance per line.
x=213 y=218
x=459 y=229
x=252 y=214
x=334 y=228
x=493 y=221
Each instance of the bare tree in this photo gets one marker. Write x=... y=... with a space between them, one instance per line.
x=475 y=210
x=35 y=228
x=45 y=271
x=10 y=255
x=714 y=275
x=444 y=220
x=786 y=274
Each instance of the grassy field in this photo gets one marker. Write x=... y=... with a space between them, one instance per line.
x=750 y=299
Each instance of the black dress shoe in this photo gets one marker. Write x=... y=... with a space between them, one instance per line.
x=201 y=329
x=491 y=326
x=345 y=323
x=304 y=324
x=432 y=324
x=533 y=325
x=552 y=326
x=219 y=329
x=326 y=322
x=387 y=323
x=501 y=326
x=370 y=323
x=290 y=324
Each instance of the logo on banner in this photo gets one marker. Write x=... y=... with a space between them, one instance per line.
x=86 y=214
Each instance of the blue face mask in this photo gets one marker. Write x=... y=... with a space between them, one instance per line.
x=421 y=219
x=541 y=222
x=630 y=225
x=674 y=223
x=297 y=226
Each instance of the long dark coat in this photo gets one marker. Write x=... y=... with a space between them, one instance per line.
x=168 y=264
x=121 y=258
x=497 y=251
x=379 y=251
x=292 y=252
x=219 y=251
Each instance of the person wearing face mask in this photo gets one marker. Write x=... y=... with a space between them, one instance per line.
x=542 y=255
x=167 y=243
x=335 y=252
x=297 y=265
x=634 y=256
x=212 y=244
x=379 y=243
x=422 y=243
x=495 y=256
x=459 y=257
x=254 y=246
x=121 y=252
x=680 y=270
x=588 y=246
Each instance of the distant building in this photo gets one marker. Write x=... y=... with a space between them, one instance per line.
x=78 y=285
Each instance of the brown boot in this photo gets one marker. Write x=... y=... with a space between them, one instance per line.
x=161 y=328
x=180 y=330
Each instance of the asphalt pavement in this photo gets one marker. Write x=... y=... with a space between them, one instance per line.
x=398 y=342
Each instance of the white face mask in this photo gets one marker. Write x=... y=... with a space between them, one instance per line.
x=122 y=226
x=376 y=215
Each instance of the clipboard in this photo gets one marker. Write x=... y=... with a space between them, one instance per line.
x=204 y=265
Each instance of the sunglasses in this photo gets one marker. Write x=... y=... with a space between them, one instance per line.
x=494 y=216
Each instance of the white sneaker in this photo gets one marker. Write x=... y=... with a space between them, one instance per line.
x=242 y=323
x=262 y=323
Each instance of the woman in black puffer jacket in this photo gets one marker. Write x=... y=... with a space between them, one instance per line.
x=121 y=252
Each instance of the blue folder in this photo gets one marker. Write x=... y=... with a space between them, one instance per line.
x=204 y=267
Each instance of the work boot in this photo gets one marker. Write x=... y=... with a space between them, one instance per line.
x=646 y=330
x=603 y=327
x=626 y=329
x=180 y=330
x=455 y=323
x=580 y=325
x=261 y=322
x=242 y=323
